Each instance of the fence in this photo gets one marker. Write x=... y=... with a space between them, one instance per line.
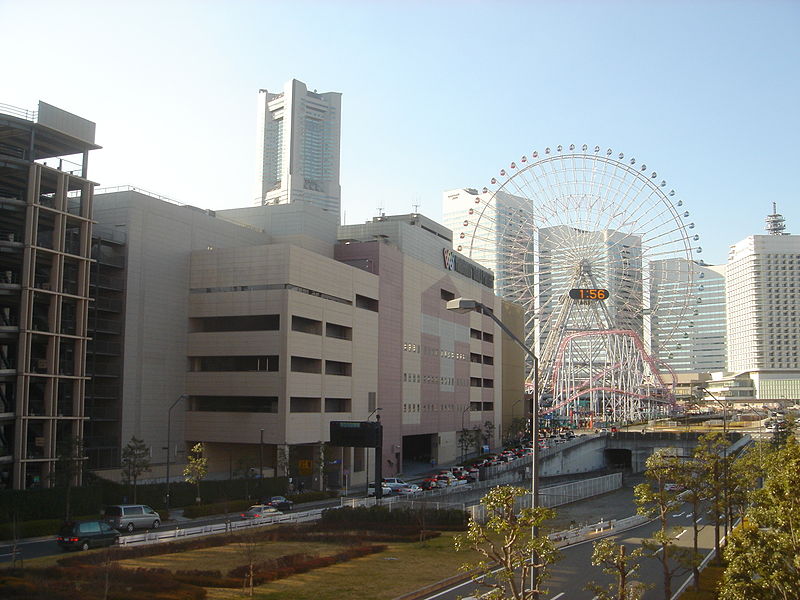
x=178 y=532
x=564 y=493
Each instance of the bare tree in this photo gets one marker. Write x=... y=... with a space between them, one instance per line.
x=135 y=462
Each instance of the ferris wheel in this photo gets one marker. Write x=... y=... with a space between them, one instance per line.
x=600 y=254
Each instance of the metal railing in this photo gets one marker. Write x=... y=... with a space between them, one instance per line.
x=170 y=535
x=21 y=113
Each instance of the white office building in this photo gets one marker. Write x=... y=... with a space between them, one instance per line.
x=478 y=223
x=694 y=342
x=763 y=327
x=298 y=147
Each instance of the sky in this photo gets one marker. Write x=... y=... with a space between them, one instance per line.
x=435 y=95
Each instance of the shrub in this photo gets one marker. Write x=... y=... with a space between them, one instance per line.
x=204 y=510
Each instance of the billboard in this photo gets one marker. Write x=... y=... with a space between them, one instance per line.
x=356 y=434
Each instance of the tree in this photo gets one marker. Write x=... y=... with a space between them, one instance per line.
x=196 y=467
x=507 y=540
x=515 y=430
x=654 y=499
x=690 y=477
x=620 y=565
x=764 y=553
x=68 y=468
x=488 y=433
x=135 y=462
x=710 y=451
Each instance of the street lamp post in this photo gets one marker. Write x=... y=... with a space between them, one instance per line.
x=465 y=305
x=378 y=493
x=463 y=433
x=169 y=448
x=724 y=406
x=261 y=464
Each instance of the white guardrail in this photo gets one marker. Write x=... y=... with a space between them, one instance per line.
x=588 y=487
x=176 y=533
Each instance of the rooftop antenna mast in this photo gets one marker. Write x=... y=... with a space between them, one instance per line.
x=776 y=224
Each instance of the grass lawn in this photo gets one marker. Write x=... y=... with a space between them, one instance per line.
x=225 y=558
x=401 y=568
x=710 y=578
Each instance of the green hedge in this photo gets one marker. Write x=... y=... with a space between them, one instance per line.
x=378 y=517
x=217 y=508
x=40 y=504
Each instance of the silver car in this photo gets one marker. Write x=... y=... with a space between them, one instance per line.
x=127 y=517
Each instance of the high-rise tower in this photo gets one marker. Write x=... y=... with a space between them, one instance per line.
x=298 y=147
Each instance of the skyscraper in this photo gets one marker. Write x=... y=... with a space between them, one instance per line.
x=298 y=147
x=693 y=342
x=763 y=282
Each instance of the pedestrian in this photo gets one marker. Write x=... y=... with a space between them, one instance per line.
x=300 y=487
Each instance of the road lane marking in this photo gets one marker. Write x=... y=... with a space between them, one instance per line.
x=659 y=550
x=681 y=533
x=678 y=515
x=699 y=519
x=559 y=596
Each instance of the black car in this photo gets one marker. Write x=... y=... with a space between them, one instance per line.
x=86 y=534
x=280 y=503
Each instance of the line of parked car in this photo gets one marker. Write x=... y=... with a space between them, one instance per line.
x=83 y=535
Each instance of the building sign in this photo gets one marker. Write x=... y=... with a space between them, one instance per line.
x=454 y=262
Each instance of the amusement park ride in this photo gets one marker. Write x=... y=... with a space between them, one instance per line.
x=600 y=255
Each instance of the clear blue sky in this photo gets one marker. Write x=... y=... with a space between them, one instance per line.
x=435 y=95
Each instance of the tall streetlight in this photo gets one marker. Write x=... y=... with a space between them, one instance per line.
x=465 y=305
x=378 y=493
x=261 y=464
x=169 y=431
x=700 y=393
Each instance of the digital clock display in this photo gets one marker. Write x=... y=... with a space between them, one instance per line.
x=588 y=294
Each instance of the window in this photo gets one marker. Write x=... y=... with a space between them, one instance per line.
x=337 y=405
x=305 y=325
x=475 y=334
x=243 y=323
x=475 y=382
x=447 y=295
x=366 y=303
x=488 y=360
x=302 y=364
x=341 y=332
x=334 y=367
x=488 y=383
x=474 y=357
x=475 y=406
x=234 y=363
x=304 y=405
x=256 y=404
x=488 y=337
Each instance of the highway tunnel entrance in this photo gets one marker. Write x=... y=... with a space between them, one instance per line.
x=618 y=458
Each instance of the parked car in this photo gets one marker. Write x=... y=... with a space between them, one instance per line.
x=259 y=511
x=673 y=487
x=131 y=516
x=280 y=503
x=385 y=490
x=394 y=482
x=408 y=489
x=83 y=535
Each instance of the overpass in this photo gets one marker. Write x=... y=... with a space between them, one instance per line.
x=622 y=450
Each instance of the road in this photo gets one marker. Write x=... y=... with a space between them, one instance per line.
x=568 y=577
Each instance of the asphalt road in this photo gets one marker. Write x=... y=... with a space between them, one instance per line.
x=568 y=577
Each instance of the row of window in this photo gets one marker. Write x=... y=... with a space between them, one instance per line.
x=299 y=364
x=428 y=351
x=473 y=407
x=364 y=302
x=434 y=379
x=268 y=404
x=269 y=323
